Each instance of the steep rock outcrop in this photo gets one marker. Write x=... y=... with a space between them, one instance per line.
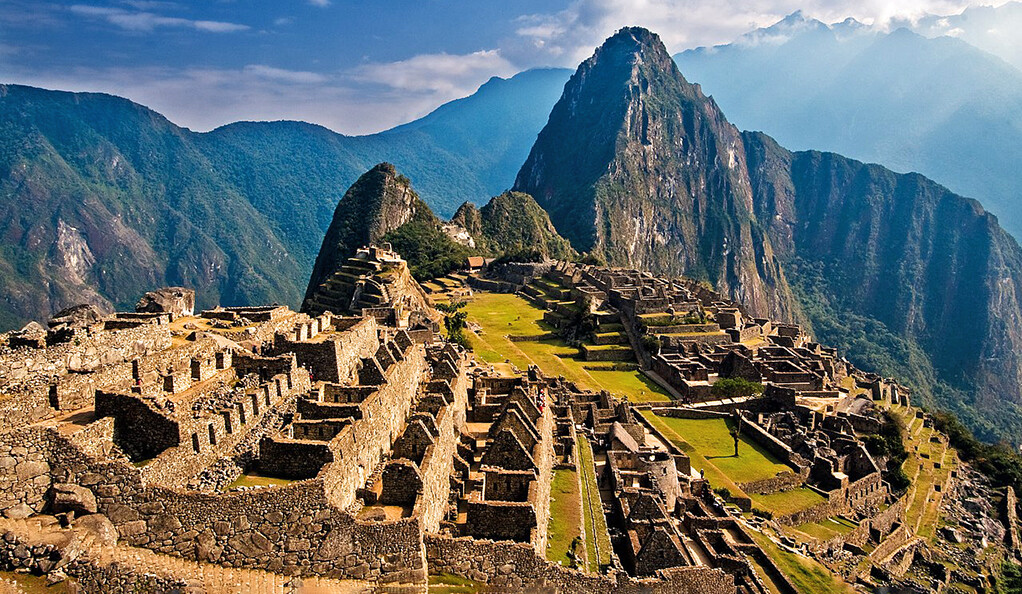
x=935 y=268
x=637 y=165
x=513 y=222
x=377 y=203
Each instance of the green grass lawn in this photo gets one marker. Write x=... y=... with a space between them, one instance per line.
x=451 y=584
x=592 y=509
x=787 y=502
x=827 y=528
x=565 y=516
x=500 y=315
x=711 y=438
x=807 y=575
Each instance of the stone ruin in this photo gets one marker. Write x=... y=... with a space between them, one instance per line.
x=357 y=447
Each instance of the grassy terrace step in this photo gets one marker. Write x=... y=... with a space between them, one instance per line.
x=827 y=528
x=502 y=314
x=446 y=283
x=610 y=338
x=710 y=447
x=806 y=574
x=598 y=548
x=565 y=516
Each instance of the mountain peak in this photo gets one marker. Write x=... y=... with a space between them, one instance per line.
x=633 y=46
x=636 y=165
x=380 y=201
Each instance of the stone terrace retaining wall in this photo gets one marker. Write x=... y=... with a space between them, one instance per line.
x=88 y=573
x=782 y=482
x=516 y=566
x=359 y=447
x=839 y=501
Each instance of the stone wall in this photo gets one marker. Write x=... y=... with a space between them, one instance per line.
x=516 y=566
x=782 y=482
x=866 y=492
x=298 y=528
x=90 y=575
x=78 y=368
x=776 y=447
x=333 y=358
x=362 y=445
x=291 y=529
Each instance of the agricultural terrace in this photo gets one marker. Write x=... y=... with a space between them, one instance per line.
x=930 y=462
x=501 y=315
x=710 y=447
x=565 y=517
x=598 y=547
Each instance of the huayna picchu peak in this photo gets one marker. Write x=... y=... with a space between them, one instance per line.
x=638 y=167
x=380 y=201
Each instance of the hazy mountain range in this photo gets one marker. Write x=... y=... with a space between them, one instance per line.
x=940 y=106
x=101 y=198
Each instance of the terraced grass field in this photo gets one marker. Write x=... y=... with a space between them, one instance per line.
x=827 y=528
x=806 y=574
x=565 y=516
x=787 y=502
x=709 y=444
x=501 y=315
x=598 y=546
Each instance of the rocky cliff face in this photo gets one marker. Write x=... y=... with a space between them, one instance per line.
x=102 y=199
x=934 y=268
x=378 y=203
x=635 y=164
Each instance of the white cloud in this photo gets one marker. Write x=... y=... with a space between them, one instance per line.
x=567 y=37
x=451 y=75
x=320 y=3
x=288 y=76
x=148 y=21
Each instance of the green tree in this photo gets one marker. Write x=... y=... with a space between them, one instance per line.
x=735 y=387
x=455 y=321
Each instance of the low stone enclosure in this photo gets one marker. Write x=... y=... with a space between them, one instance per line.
x=362 y=446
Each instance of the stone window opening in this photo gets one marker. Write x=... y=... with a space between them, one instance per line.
x=196 y=369
x=195 y=442
x=212 y=435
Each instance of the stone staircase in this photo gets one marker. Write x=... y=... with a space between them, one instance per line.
x=350 y=289
x=200 y=577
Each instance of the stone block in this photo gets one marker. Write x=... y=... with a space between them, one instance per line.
x=101 y=528
x=73 y=498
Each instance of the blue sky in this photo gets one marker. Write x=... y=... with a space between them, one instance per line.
x=356 y=67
